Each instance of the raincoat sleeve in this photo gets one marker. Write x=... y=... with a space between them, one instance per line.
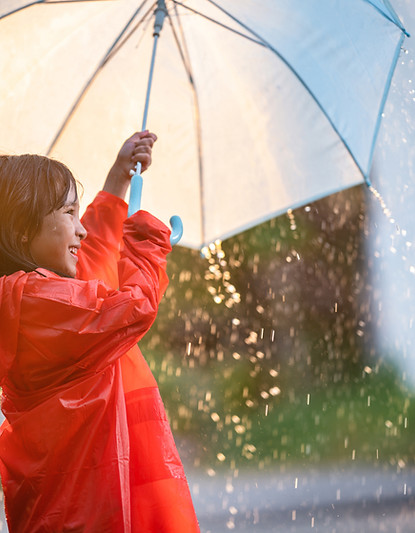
x=85 y=324
x=100 y=251
x=98 y=259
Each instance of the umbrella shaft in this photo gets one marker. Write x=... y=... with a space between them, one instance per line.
x=150 y=80
x=137 y=180
x=147 y=102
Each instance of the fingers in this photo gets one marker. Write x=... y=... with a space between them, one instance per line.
x=142 y=154
x=138 y=136
x=142 y=149
x=149 y=135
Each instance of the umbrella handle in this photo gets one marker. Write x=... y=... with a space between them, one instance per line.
x=135 y=204
x=136 y=189
x=176 y=229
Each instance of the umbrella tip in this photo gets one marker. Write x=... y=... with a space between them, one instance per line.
x=159 y=13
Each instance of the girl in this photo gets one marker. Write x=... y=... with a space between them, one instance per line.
x=86 y=446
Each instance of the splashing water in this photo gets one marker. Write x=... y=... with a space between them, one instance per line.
x=386 y=211
x=399 y=231
x=221 y=289
x=293 y=223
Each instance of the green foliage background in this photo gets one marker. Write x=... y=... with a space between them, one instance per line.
x=265 y=351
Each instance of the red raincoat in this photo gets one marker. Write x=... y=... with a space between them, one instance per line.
x=86 y=446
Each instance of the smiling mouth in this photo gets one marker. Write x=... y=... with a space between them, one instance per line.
x=74 y=251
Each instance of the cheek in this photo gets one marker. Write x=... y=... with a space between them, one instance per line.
x=44 y=243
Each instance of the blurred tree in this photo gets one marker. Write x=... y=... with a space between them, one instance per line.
x=263 y=346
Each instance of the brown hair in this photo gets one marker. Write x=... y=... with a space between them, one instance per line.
x=31 y=187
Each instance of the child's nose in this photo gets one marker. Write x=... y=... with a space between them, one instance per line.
x=81 y=231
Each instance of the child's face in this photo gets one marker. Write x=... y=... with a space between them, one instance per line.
x=56 y=244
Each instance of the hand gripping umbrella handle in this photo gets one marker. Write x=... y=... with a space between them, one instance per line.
x=135 y=204
x=136 y=180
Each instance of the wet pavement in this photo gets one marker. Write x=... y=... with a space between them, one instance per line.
x=357 y=500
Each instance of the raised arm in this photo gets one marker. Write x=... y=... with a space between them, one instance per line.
x=70 y=326
x=104 y=218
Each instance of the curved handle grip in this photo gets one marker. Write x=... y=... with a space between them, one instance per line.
x=176 y=229
x=135 y=204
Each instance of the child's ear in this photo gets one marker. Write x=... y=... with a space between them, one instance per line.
x=24 y=238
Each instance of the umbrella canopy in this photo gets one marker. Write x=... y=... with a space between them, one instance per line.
x=259 y=105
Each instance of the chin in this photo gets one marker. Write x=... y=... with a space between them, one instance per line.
x=71 y=274
x=65 y=272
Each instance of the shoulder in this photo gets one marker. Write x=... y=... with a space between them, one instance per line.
x=43 y=284
x=12 y=285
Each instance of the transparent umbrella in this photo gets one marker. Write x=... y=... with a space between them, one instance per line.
x=259 y=105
